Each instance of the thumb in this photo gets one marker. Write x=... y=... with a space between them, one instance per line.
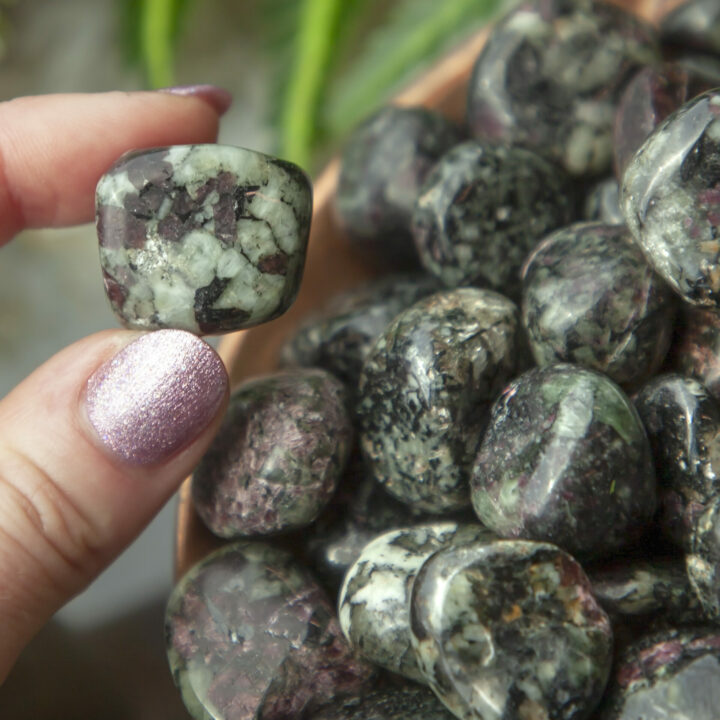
x=92 y=444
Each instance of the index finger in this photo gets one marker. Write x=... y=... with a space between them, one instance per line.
x=54 y=148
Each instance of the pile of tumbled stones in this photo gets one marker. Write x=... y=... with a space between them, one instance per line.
x=504 y=462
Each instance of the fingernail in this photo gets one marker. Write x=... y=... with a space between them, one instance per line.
x=156 y=396
x=217 y=98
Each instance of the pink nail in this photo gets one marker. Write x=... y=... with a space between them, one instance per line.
x=156 y=396
x=217 y=98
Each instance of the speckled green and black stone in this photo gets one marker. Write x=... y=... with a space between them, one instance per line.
x=510 y=629
x=550 y=76
x=602 y=203
x=590 y=298
x=565 y=459
x=410 y=702
x=251 y=636
x=682 y=422
x=341 y=339
x=671 y=199
x=425 y=391
x=696 y=351
x=383 y=165
x=373 y=602
x=277 y=457
x=671 y=674
x=481 y=210
x=703 y=560
x=652 y=588
x=205 y=238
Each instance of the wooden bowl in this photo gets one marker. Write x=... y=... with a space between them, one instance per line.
x=333 y=264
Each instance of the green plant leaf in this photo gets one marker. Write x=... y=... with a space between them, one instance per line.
x=415 y=31
x=150 y=32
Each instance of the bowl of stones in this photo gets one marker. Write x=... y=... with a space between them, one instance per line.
x=470 y=463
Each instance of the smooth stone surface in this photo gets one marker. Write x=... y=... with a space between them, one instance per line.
x=602 y=203
x=671 y=199
x=277 y=457
x=651 y=95
x=383 y=165
x=683 y=425
x=590 y=298
x=510 y=629
x=697 y=348
x=643 y=588
x=673 y=674
x=373 y=602
x=205 y=238
x=251 y=636
x=703 y=560
x=405 y=703
x=694 y=24
x=550 y=76
x=342 y=337
x=360 y=511
x=425 y=392
x=565 y=459
x=482 y=209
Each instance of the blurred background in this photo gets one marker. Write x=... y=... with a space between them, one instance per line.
x=303 y=73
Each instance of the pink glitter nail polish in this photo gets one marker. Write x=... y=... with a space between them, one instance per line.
x=156 y=396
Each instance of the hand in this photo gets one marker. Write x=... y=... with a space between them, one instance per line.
x=96 y=440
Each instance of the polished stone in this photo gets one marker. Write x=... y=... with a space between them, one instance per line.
x=683 y=425
x=671 y=199
x=696 y=351
x=703 y=559
x=590 y=298
x=510 y=629
x=671 y=674
x=425 y=392
x=602 y=203
x=373 y=602
x=565 y=459
x=343 y=335
x=205 y=238
x=410 y=702
x=550 y=76
x=251 y=636
x=278 y=456
x=383 y=165
x=482 y=209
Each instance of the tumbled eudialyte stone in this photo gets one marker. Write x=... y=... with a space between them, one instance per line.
x=410 y=702
x=565 y=459
x=277 y=457
x=703 y=560
x=602 y=203
x=550 y=75
x=340 y=340
x=670 y=674
x=647 y=588
x=590 y=298
x=373 y=603
x=482 y=209
x=360 y=510
x=510 y=629
x=251 y=636
x=425 y=390
x=384 y=163
x=647 y=100
x=205 y=238
x=671 y=199
x=694 y=24
x=683 y=425
x=697 y=348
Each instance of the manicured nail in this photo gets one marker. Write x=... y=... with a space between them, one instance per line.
x=156 y=396
x=217 y=98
